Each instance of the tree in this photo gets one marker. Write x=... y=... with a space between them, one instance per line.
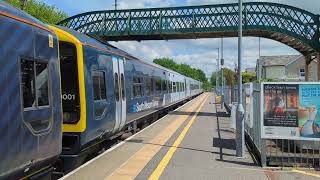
x=213 y=78
x=185 y=70
x=248 y=77
x=40 y=10
x=228 y=77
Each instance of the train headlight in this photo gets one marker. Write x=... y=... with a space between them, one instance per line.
x=70 y=117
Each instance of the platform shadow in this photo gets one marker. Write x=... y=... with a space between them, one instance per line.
x=169 y=146
x=223 y=114
x=238 y=162
x=224 y=143
x=191 y=113
x=226 y=131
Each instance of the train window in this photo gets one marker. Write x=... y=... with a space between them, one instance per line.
x=99 y=85
x=152 y=86
x=69 y=82
x=164 y=85
x=42 y=90
x=158 y=85
x=34 y=83
x=123 y=94
x=137 y=86
x=149 y=86
x=174 y=87
x=116 y=86
x=27 y=72
x=170 y=86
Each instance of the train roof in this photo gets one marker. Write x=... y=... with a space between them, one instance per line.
x=17 y=14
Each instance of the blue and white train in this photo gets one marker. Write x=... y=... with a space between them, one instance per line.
x=104 y=92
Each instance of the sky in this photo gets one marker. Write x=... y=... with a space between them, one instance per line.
x=199 y=53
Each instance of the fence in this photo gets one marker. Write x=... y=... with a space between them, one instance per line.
x=273 y=152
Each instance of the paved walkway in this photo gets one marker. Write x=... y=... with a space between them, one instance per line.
x=192 y=142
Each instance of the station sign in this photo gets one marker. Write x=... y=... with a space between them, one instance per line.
x=290 y=110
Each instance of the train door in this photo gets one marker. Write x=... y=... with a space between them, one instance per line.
x=185 y=88
x=122 y=93
x=119 y=92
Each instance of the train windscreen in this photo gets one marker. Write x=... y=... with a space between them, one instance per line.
x=69 y=83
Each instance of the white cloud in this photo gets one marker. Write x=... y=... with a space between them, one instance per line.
x=202 y=53
x=131 y=4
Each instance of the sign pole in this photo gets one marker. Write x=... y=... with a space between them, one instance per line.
x=240 y=110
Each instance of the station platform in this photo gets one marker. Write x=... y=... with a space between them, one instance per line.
x=193 y=142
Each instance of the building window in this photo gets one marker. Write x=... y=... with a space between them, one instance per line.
x=302 y=73
x=99 y=85
x=137 y=86
x=34 y=78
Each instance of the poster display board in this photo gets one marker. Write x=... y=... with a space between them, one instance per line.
x=290 y=110
x=249 y=104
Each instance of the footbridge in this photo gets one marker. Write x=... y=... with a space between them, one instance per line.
x=289 y=25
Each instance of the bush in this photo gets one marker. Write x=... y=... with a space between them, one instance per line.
x=40 y=10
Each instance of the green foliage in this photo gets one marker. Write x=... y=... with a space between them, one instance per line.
x=213 y=78
x=228 y=75
x=185 y=70
x=40 y=10
x=248 y=77
x=207 y=86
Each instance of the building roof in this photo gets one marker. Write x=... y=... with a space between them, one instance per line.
x=251 y=70
x=281 y=60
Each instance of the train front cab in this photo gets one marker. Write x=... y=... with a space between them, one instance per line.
x=72 y=90
x=30 y=106
x=93 y=94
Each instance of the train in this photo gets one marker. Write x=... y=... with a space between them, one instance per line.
x=63 y=94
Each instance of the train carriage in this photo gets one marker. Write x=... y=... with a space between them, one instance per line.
x=30 y=106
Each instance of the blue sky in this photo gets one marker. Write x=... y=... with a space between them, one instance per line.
x=198 y=53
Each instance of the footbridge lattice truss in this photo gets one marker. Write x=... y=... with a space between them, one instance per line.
x=295 y=27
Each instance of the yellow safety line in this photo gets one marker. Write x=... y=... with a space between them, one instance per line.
x=166 y=159
x=306 y=173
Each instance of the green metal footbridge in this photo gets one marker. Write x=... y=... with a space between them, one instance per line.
x=292 y=26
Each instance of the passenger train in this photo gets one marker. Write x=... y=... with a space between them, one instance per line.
x=64 y=93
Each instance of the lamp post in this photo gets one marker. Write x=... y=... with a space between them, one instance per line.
x=240 y=110
x=222 y=79
x=217 y=73
x=222 y=65
x=115 y=4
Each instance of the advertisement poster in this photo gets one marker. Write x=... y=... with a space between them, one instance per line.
x=290 y=111
x=249 y=104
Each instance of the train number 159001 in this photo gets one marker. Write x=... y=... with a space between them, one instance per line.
x=68 y=97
